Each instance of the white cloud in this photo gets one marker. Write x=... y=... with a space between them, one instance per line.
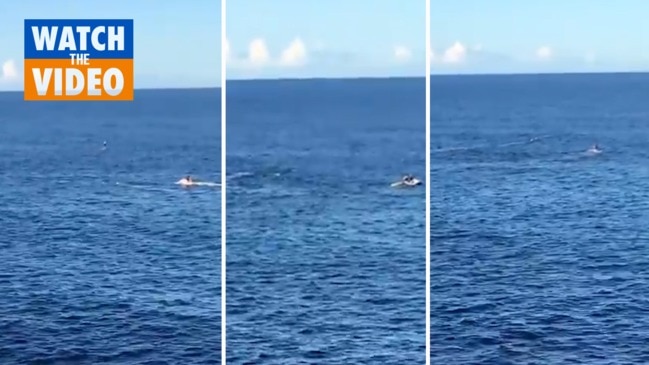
x=402 y=53
x=258 y=54
x=455 y=53
x=458 y=54
x=544 y=53
x=294 y=55
x=9 y=71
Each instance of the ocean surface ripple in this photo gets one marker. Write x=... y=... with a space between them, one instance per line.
x=106 y=261
x=539 y=249
x=325 y=259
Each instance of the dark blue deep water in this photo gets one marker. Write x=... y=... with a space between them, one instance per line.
x=104 y=259
x=326 y=262
x=540 y=250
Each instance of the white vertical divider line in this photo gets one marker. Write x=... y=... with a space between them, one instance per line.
x=223 y=184
x=428 y=180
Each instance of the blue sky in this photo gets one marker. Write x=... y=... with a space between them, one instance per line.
x=352 y=38
x=177 y=43
x=511 y=36
x=329 y=38
x=289 y=38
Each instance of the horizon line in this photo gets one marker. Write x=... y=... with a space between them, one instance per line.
x=532 y=73
x=352 y=78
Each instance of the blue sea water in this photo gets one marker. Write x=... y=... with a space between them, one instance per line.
x=540 y=251
x=105 y=259
x=326 y=262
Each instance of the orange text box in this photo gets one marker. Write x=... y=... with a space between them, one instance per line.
x=124 y=67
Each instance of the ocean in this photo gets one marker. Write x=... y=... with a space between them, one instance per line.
x=105 y=259
x=539 y=247
x=325 y=261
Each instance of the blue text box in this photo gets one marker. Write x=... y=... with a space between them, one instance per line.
x=31 y=51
